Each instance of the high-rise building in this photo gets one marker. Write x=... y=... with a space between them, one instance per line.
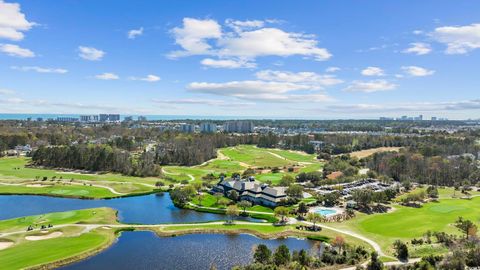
x=188 y=128
x=89 y=118
x=238 y=127
x=142 y=118
x=109 y=117
x=67 y=119
x=208 y=127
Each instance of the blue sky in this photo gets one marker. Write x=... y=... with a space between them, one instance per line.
x=303 y=59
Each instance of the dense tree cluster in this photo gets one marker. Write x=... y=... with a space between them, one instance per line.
x=339 y=253
x=96 y=158
x=433 y=170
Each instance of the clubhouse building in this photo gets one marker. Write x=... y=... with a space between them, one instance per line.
x=251 y=190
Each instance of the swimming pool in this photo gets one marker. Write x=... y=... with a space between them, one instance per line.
x=325 y=212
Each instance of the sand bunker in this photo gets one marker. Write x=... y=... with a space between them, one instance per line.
x=36 y=185
x=43 y=237
x=5 y=245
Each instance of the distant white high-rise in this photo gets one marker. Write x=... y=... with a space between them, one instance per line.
x=208 y=127
x=238 y=127
x=188 y=128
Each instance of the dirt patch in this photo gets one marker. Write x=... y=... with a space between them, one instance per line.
x=369 y=152
x=5 y=244
x=43 y=237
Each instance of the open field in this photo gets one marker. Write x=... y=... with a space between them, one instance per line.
x=62 y=242
x=239 y=158
x=368 y=152
x=406 y=223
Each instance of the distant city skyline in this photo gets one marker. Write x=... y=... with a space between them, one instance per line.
x=268 y=59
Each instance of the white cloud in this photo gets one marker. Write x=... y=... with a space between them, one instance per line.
x=417 y=32
x=418 y=48
x=370 y=86
x=373 y=71
x=244 y=88
x=148 y=78
x=240 y=26
x=193 y=36
x=15 y=50
x=417 y=71
x=40 y=69
x=207 y=102
x=107 y=76
x=132 y=34
x=90 y=53
x=332 y=69
x=315 y=80
x=6 y=92
x=271 y=41
x=12 y=101
x=459 y=39
x=247 y=41
x=13 y=21
x=272 y=86
x=227 y=63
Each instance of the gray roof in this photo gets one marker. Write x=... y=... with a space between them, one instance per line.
x=253 y=188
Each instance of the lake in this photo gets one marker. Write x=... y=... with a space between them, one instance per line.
x=145 y=250
x=147 y=209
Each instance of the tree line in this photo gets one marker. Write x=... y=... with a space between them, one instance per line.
x=96 y=158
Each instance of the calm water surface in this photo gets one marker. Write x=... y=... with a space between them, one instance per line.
x=145 y=250
x=148 y=209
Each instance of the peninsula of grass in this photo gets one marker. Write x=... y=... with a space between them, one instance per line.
x=262 y=230
x=71 y=243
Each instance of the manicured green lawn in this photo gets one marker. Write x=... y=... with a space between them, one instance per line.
x=273 y=177
x=72 y=242
x=253 y=156
x=406 y=223
x=94 y=216
x=47 y=251
x=8 y=165
x=294 y=156
x=14 y=171
x=59 y=190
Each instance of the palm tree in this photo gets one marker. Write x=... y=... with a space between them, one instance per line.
x=314 y=218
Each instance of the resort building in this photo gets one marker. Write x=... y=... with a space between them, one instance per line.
x=251 y=190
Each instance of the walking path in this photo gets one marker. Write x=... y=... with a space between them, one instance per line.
x=214 y=208
x=372 y=243
x=72 y=183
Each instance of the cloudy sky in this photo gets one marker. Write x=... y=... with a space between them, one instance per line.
x=269 y=58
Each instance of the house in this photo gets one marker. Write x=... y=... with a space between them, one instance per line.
x=251 y=190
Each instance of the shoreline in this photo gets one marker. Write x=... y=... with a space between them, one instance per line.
x=83 y=197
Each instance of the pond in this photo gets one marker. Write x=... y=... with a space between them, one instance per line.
x=147 y=209
x=145 y=250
